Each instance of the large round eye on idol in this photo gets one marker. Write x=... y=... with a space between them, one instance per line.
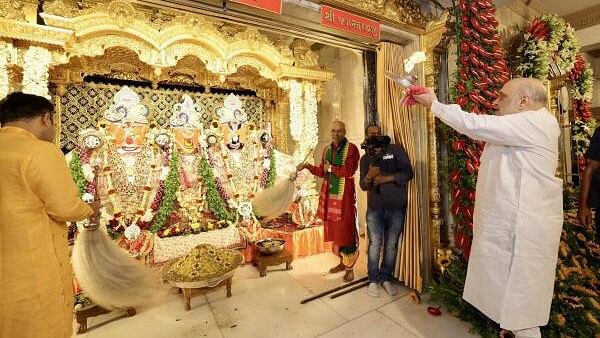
x=211 y=140
x=265 y=137
x=92 y=142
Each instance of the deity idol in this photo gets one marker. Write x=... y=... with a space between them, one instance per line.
x=186 y=128
x=239 y=159
x=129 y=167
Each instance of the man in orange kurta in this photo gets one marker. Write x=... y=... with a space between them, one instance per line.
x=337 y=202
x=37 y=197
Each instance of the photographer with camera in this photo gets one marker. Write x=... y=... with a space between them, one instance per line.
x=384 y=172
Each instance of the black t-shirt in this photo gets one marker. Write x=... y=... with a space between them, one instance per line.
x=593 y=153
x=391 y=195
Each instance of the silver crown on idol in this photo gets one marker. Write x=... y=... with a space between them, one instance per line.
x=126 y=108
x=232 y=111
x=186 y=115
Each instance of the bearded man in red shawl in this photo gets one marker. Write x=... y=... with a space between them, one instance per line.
x=337 y=202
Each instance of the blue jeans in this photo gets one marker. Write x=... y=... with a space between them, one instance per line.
x=384 y=229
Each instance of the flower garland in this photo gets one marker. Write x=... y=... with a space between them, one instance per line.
x=122 y=193
x=582 y=135
x=213 y=196
x=268 y=175
x=311 y=126
x=304 y=126
x=171 y=185
x=550 y=38
x=547 y=38
x=582 y=77
x=220 y=186
x=575 y=309
x=296 y=110
x=35 y=72
x=77 y=173
x=160 y=190
x=272 y=176
x=5 y=50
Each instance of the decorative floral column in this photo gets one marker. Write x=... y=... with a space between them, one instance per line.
x=35 y=71
x=5 y=58
x=304 y=126
x=310 y=134
x=296 y=116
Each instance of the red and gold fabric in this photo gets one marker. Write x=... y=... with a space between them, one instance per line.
x=334 y=195
x=340 y=226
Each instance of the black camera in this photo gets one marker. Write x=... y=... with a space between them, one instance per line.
x=370 y=145
x=374 y=142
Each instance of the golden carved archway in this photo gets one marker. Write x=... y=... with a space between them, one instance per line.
x=162 y=41
x=119 y=40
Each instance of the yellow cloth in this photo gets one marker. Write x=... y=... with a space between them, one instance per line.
x=37 y=197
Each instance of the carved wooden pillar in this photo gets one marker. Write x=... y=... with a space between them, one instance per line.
x=280 y=122
x=429 y=41
x=5 y=61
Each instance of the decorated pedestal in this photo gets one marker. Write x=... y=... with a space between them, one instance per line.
x=262 y=261
x=168 y=248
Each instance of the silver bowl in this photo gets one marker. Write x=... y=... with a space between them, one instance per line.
x=270 y=246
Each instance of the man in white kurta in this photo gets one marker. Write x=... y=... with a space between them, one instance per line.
x=518 y=207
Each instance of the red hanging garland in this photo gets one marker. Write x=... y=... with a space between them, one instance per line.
x=482 y=70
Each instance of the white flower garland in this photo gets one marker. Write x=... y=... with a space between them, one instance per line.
x=296 y=110
x=4 y=61
x=557 y=27
x=304 y=126
x=35 y=73
x=567 y=50
x=584 y=89
x=311 y=125
x=582 y=135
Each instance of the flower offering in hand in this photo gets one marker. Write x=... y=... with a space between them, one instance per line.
x=408 y=99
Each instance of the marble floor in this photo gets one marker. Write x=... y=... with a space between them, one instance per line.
x=270 y=307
